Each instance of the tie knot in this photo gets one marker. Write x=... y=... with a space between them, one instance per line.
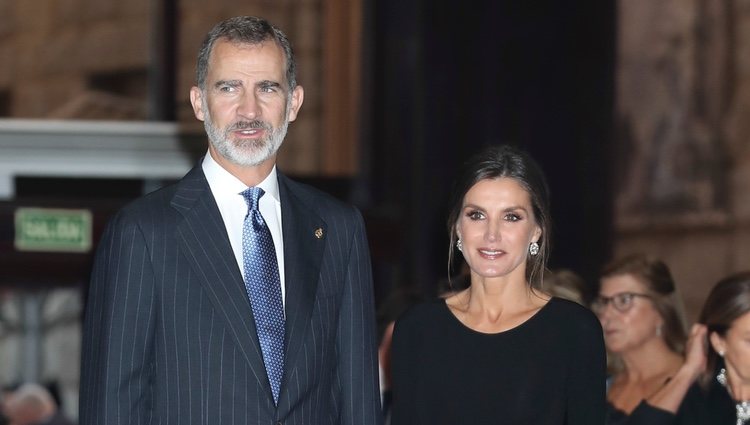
x=252 y=195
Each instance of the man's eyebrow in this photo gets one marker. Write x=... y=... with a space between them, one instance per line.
x=231 y=83
x=269 y=83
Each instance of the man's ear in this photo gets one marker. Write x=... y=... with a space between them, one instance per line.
x=196 y=99
x=298 y=96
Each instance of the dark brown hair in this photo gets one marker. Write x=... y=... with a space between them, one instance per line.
x=728 y=301
x=495 y=162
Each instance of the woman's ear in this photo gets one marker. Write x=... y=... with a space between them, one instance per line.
x=718 y=343
x=537 y=234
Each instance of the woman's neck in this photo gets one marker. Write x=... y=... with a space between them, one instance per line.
x=738 y=388
x=496 y=305
x=650 y=360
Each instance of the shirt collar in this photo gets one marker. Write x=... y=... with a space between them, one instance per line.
x=225 y=184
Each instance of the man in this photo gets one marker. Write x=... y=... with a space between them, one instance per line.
x=236 y=296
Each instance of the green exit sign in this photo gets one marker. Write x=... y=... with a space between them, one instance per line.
x=53 y=230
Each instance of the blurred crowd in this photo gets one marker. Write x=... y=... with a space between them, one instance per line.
x=31 y=404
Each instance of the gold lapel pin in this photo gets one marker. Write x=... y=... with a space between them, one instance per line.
x=319 y=233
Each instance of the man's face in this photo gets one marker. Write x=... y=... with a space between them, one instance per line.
x=246 y=105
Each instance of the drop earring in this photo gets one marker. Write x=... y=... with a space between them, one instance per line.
x=722 y=377
x=534 y=248
x=460 y=245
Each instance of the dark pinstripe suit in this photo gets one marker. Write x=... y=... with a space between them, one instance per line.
x=168 y=332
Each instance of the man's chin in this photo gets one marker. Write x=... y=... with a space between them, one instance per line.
x=250 y=160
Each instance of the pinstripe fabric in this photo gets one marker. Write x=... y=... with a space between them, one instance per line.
x=168 y=331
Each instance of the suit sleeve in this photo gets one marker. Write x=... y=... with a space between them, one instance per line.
x=116 y=361
x=357 y=369
x=586 y=386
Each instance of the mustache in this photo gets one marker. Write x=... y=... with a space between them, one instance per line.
x=243 y=125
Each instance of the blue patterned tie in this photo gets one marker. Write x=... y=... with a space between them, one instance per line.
x=264 y=288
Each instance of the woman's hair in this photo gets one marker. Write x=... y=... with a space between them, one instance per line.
x=496 y=162
x=656 y=277
x=728 y=301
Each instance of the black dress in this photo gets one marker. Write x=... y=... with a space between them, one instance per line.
x=548 y=370
x=699 y=407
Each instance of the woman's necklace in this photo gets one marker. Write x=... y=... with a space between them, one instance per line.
x=743 y=407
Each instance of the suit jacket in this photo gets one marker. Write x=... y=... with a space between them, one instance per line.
x=169 y=335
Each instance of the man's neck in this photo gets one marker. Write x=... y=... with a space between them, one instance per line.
x=249 y=175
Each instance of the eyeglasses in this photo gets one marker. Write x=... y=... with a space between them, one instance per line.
x=622 y=302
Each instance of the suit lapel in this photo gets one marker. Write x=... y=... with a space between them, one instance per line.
x=203 y=238
x=304 y=242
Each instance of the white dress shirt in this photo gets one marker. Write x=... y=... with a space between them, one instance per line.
x=226 y=189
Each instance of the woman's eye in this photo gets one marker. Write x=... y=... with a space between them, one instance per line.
x=512 y=217
x=475 y=215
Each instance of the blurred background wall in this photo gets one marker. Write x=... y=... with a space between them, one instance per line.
x=638 y=111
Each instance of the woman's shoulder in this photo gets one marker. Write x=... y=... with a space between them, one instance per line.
x=577 y=317
x=425 y=311
x=412 y=324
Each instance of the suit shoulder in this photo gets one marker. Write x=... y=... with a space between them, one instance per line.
x=149 y=206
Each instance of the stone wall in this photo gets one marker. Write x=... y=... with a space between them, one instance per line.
x=55 y=53
x=683 y=157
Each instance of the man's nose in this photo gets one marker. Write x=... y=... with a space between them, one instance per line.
x=248 y=106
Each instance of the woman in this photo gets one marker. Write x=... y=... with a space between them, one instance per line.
x=500 y=351
x=644 y=330
x=725 y=398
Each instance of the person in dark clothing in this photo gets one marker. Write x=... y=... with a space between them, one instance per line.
x=641 y=313
x=502 y=350
x=721 y=394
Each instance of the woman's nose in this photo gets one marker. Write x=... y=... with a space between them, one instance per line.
x=493 y=231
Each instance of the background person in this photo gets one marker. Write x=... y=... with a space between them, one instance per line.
x=565 y=283
x=726 y=383
x=644 y=329
x=33 y=404
x=501 y=351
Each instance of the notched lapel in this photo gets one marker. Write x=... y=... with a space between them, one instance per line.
x=304 y=243
x=202 y=237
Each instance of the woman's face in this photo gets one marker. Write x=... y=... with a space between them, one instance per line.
x=735 y=344
x=636 y=320
x=496 y=226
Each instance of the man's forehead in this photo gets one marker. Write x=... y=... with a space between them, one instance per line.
x=235 y=50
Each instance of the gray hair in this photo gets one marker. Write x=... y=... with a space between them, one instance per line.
x=245 y=30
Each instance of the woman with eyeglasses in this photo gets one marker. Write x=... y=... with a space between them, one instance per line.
x=644 y=332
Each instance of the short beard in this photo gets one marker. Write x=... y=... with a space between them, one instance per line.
x=248 y=153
